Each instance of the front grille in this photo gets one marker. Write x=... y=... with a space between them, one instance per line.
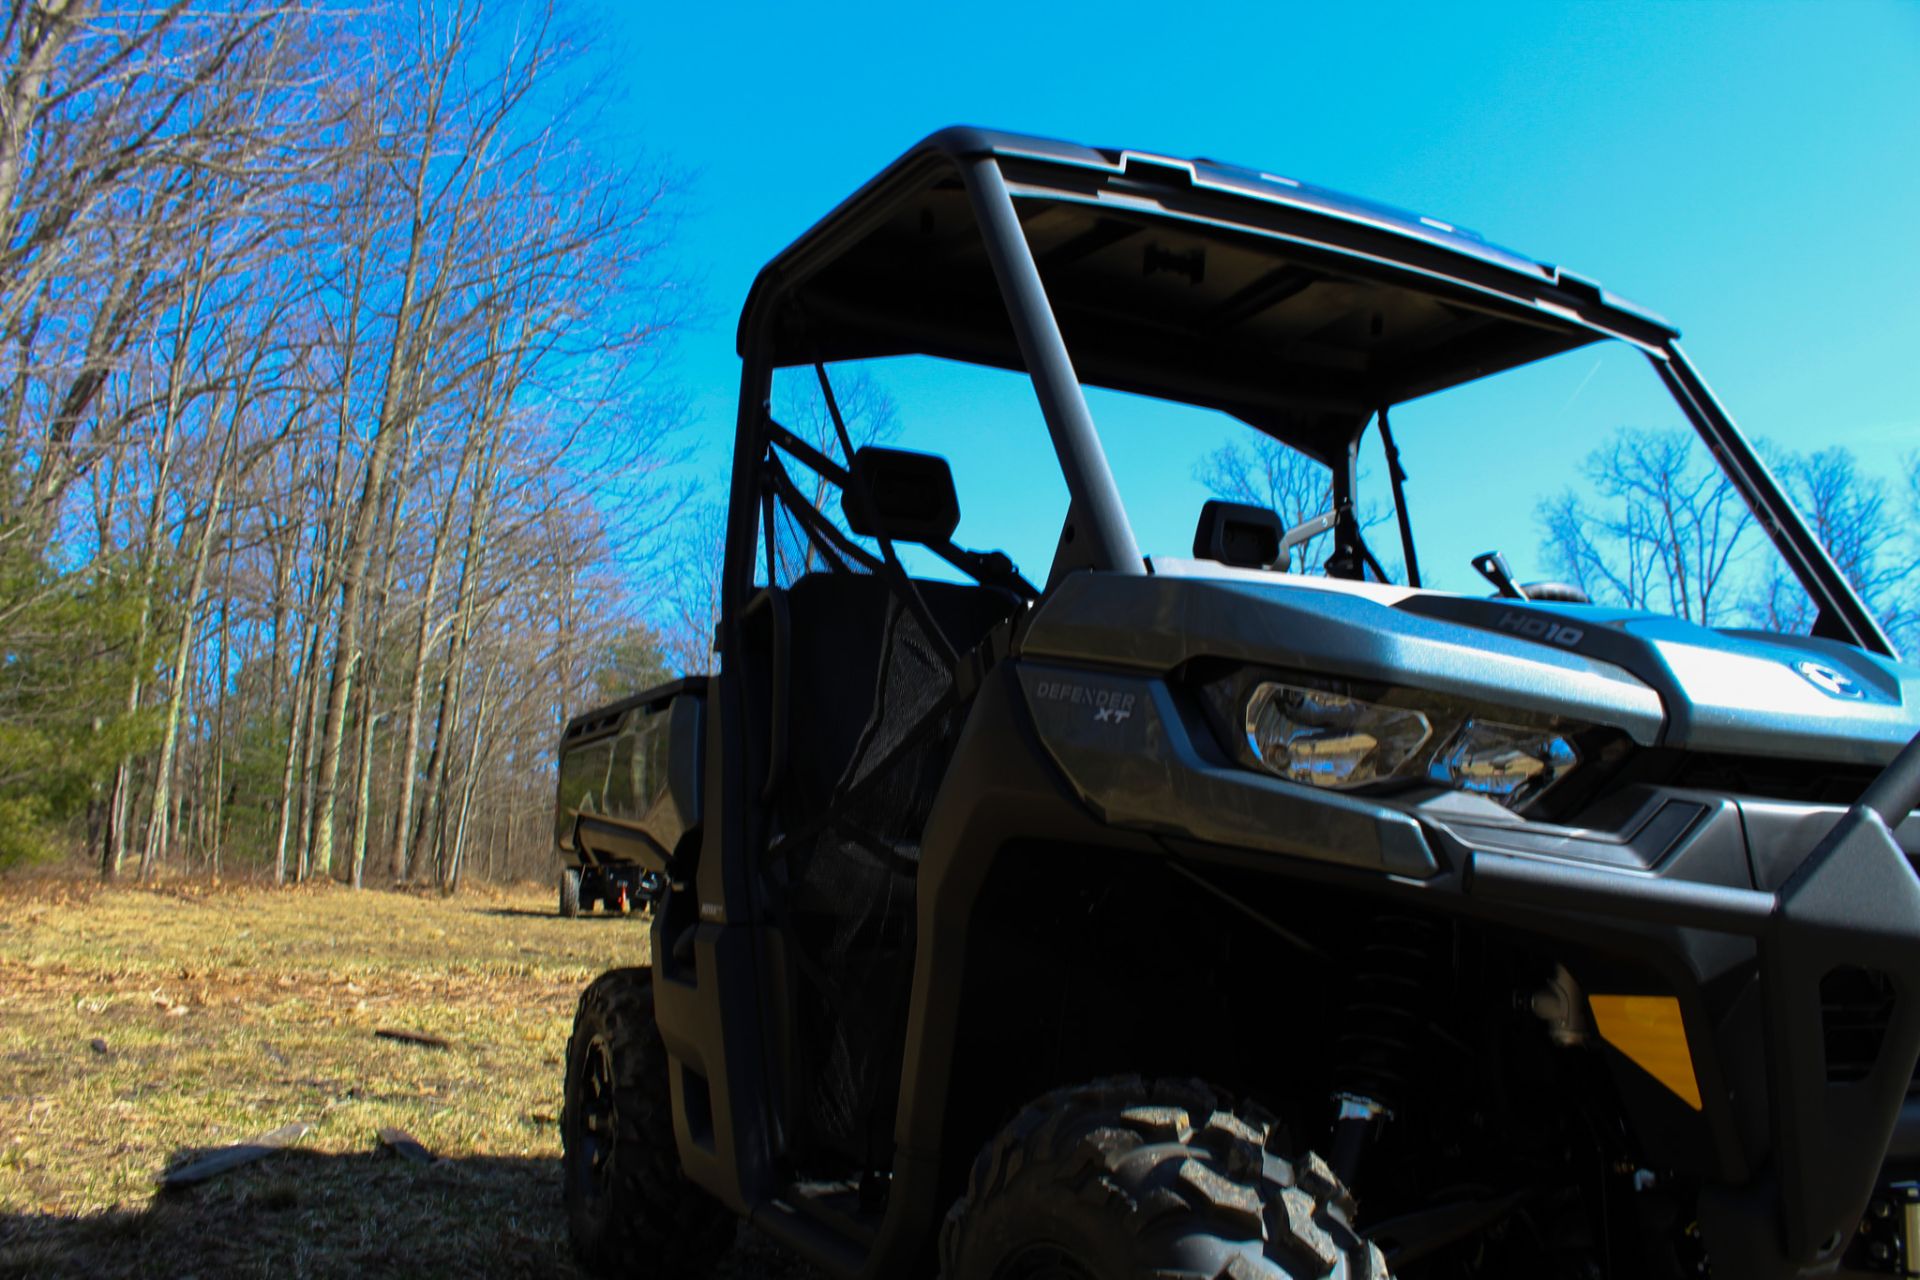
x=1770 y=779
x=1856 y=1006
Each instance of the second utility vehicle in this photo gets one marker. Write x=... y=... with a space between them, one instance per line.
x=613 y=771
x=1042 y=915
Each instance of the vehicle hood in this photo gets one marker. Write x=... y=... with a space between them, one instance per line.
x=1663 y=681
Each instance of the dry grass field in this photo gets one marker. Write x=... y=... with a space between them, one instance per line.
x=138 y=1027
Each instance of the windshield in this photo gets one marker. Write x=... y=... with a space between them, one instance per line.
x=1579 y=469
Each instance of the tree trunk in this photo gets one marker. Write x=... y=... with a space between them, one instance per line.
x=466 y=589
x=395 y=404
x=481 y=712
x=363 y=784
x=369 y=718
x=397 y=853
x=160 y=828
x=296 y=730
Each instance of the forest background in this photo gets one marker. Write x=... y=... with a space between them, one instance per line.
x=343 y=450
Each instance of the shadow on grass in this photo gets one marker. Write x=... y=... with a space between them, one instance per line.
x=302 y=1213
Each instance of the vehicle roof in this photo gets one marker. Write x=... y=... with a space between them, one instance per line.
x=1221 y=177
x=1297 y=309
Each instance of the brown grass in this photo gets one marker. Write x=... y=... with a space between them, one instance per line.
x=140 y=1026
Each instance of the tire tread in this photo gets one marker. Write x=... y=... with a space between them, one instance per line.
x=657 y=1223
x=1165 y=1162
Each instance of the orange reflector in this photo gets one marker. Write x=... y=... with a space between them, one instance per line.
x=1649 y=1031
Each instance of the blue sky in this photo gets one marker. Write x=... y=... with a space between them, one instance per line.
x=1747 y=170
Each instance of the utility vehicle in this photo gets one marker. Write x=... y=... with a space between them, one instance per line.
x=613 y=772
x=1261 y=910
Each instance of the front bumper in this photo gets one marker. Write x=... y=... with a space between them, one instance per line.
x=1791 y=1153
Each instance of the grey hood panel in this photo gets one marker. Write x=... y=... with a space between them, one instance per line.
x=1158 y=621
x=1741 y=692
x=1661 y=680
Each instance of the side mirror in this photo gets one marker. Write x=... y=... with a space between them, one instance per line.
x=1236 y=534
x=911 y=493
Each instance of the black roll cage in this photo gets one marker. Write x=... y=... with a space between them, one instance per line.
x=993 y=168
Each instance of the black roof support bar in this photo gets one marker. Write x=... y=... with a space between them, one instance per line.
x=1096 y=500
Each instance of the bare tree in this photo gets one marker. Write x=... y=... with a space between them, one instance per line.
x=335 y=364
x=1293 y=486
x=1664 y=530
x=1863 y=529
x=115 y=122
x=134 y=142
x=689 y=610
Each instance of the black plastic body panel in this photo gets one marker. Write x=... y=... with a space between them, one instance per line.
x=1651 y=829
x=1744 y=960
x=1854 y=902
x=605 y=719
x=707 y=946
x=649 y=829
x=1000 y=788
x=1685 y=903
x=1124 y=749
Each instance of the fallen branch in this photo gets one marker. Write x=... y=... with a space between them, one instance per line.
x=223 y=1159
x=412 y=1037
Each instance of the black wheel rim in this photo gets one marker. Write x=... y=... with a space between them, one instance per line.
x=598 y=1124
x=1042 y=1262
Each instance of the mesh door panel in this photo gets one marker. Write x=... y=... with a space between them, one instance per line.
x=852 y=899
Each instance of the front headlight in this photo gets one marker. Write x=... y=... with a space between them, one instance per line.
x=1330 y=740
x=1505 y=762
x=1331 y=734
